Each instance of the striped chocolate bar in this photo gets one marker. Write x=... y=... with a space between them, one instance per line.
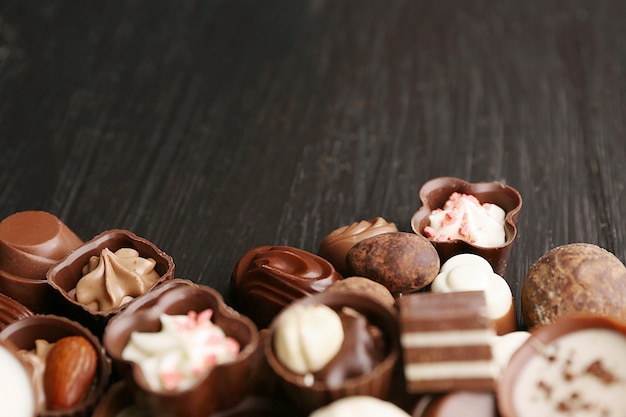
x=446 y=342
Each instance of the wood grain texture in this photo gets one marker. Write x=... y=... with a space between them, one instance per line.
x=213 y=127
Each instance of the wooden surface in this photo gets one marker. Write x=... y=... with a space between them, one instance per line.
x=212 y=127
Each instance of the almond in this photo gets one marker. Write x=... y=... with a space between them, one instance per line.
x=70 y=370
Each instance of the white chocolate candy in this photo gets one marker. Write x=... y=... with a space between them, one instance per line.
x=17 y=396
x=464 y=217
x=360 y=406
x=307 y=337
x=504 y=347
x=469 y=272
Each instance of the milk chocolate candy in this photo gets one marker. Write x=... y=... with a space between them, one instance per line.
x=267 y=278
x=338 y=379
x=435 y=192
x=573 y=366
x=11 y=310
x=65 y=275
x=335 y=246
x=446 y=340
x=23 y=334
x=30 y=243
x=221 y=387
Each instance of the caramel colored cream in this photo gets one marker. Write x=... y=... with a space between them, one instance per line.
x=115 y=278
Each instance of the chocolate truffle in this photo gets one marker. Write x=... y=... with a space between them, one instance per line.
x=402 y=262
x=572 y=366
x=434 y=194
x=30 y=243
x=11 y=310
x=360 y=405
x=335 y=246
x=267 y=278
x=571 y=280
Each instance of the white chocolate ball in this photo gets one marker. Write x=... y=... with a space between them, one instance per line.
x=307 y=337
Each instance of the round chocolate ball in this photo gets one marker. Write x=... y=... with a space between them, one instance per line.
x=402 y=262
x=573 y=280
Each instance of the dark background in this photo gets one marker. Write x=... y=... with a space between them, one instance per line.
x=212 y=127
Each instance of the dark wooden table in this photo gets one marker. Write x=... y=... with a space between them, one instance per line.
x=212 y=127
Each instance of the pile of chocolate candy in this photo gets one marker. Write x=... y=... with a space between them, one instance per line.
x=378 y=322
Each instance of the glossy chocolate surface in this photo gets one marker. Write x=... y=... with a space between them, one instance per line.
x=309 y=395
x=25 y=332
x=435 y=192
x=30 y=243
x=64 y=276
x=11 y=310
x=223 y=386
x=267 y=278
x=335 y=246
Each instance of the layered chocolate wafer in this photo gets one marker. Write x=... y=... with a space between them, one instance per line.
x=446 y=340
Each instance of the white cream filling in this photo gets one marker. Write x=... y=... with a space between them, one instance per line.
x=447 y=338
x=449 y=370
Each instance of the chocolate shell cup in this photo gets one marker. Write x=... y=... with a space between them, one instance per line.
x=64 y=276
x=222 y=387
x=437 y=191
x=24 y=333
x=31 y=242
x=597 y=373
x=308 y=396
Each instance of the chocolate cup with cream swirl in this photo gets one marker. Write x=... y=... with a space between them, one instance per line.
x=220 y=387
x=31 y=242
x=65 y=276
x=336 y=245
x=267 y=278
x=434 y=194
x=309 y=394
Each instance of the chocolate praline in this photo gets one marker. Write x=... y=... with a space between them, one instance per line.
x=64 y=276
x=222 y=387
x=309 y=395
x=31 y=242
x=457 y=403
x=11 y=310
x=435 y=192
x=335 y=246
x=24 y=333
x=267 y=278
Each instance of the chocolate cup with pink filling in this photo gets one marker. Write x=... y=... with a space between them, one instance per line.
x=64 y=276
x=31 y=242
x=377 y=383
x=437 y=191
x=24 y=333
x=11 y=311
x=537 y=344
x=222 y=387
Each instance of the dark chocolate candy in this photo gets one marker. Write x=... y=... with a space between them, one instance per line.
x=267 y=278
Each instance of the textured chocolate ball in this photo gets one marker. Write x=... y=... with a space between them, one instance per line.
x=572 y=280
x=364 y=286
x=402 y=262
